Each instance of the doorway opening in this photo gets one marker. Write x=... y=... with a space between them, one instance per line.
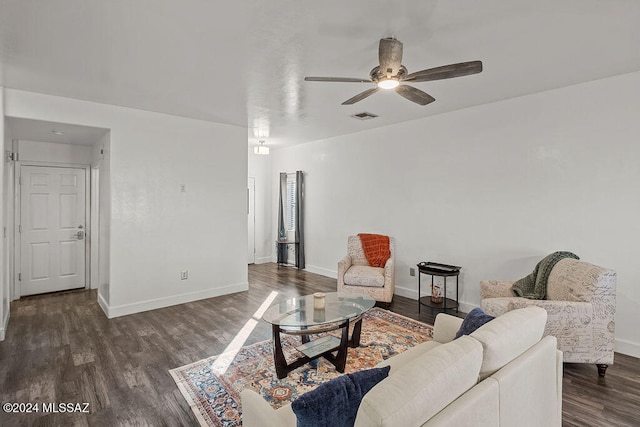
x=56 y=229
x=251 y=220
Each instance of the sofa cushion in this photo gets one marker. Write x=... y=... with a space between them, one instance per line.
x=424 y=386
x=530 y=387
x=508 y=336
x=445 y=327
x=473 y=321
x=573 y=280
x=362 y=275
x=335 y=403
x=498 y=306
x=400 y=360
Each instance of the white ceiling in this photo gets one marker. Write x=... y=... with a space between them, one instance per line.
x=243 y=63
x=42 y=131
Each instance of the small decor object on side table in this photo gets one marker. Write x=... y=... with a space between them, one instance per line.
x=438 y=298
x=436 y=294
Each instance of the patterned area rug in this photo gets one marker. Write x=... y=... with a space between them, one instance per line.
x=213 y=392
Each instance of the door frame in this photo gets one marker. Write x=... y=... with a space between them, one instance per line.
x=94 y=239
x=17 y=242
x=252 y=202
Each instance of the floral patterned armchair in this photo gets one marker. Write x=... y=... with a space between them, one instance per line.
x=581 y=304
x=356 y=276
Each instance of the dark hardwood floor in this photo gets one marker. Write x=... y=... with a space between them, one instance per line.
x=60 y=348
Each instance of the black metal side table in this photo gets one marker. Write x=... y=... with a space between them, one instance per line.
x=281 y=248
x=441 y=270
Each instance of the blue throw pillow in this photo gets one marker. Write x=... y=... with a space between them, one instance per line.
x=335 y=403
x=473 y=321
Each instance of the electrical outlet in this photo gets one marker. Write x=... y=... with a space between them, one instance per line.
x=412 y=271
x=184 y=275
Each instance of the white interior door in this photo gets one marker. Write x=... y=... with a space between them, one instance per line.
x=251 y=219
x=52 y=228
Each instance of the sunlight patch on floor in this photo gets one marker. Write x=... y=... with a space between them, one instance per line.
x=223 y=361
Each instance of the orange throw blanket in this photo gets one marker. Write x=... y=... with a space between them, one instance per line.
x=376 y=248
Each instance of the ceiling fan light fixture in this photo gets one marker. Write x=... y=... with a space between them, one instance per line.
x=261 y=149
x=388 y=84
x=390 y=72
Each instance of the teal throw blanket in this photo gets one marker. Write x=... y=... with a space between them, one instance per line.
x=534 y=286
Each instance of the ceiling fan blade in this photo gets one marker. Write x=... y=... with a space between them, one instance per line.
x=336 y=79
x=390 y=56
x=415 y=95
x=361 y=96
x=445 y=72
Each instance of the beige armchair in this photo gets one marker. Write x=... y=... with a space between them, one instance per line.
x=356 y=276
x=581 y=304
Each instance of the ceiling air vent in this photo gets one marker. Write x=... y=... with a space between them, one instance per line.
x=364 y=116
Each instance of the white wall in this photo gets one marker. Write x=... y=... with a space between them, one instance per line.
x=102 y=229
x=54 y=152
x=259 y=167
x=156 y=231
x=4 y=270
x=492 y=188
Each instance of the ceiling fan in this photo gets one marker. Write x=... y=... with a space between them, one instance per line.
x=391 y=74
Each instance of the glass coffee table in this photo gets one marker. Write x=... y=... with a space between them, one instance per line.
x=307 y=316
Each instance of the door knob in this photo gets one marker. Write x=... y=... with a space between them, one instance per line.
x=79 y=235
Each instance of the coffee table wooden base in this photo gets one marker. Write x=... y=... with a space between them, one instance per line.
x=339 y=360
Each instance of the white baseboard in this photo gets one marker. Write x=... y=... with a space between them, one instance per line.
x=264 y=260
x=627 y=347
x=412 y=293
x=153 y=304
x=103 y=304
x=406 y=292
x=321 y=271
x=5 y=324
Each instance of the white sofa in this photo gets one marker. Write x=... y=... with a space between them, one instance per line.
x=503 y=374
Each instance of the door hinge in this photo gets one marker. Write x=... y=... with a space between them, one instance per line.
x=20 y=229
x=19 y=180
x=19 y=277
x=12 y=157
